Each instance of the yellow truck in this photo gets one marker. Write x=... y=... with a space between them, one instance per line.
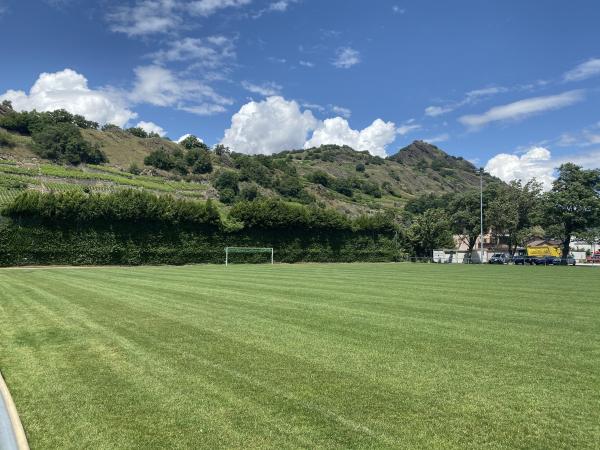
x=539 y=251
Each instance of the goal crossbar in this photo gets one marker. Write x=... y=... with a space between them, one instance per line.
x=229 y=250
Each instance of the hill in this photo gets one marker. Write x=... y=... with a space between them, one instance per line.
x=335 y=176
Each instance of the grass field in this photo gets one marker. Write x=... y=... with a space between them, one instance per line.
x=378 y=355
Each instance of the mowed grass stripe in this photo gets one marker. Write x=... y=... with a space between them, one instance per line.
x=314 y=356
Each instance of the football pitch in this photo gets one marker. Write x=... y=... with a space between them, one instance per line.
x=312 y=356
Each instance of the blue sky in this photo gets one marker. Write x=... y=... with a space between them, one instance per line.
x=514 y=82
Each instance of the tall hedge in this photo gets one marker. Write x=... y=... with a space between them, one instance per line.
x=133 y=227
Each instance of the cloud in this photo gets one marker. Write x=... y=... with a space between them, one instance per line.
x=346 y=57
x=407 y=127
x=341 y=111
x=276 y=124
x=187 y=135
x=375 y=138
x=535 y=163
x=306 y=64
x=268 y=127
x=151 y=127
x=207 y=8
x=397 y=10
x=583 y=138
x=280 y=6
x=159 y=86
x=437 y=139
x=69 y=90
x=434 y=111
x=145 y=17
x=266 y=89
x=523 y=108
x=583 y=71
x=211 y=52
x=471 y=97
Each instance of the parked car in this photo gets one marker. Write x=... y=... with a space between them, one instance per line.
x=499 y=258
x=569 y=261
x=595 y=258
x=522 y=260
x=546 y=261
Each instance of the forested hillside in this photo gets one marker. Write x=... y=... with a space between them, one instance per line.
x=58 y=151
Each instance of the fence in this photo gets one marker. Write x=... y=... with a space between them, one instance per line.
x=515 y=260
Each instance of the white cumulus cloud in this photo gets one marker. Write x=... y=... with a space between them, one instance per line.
x=151 y=127
x=583 y=71
x=523 y=108
x=535 y=163
x=268 y=127
x=375 y=138
x=276 y=124
x=69 y=90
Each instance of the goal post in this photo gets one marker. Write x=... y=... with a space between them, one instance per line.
x=233 y=250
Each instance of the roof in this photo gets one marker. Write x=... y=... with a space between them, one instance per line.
x=539 y=242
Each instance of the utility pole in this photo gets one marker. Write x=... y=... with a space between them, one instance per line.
x=481 y=213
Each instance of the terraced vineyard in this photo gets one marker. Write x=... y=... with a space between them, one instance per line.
x=15 y=177
x=6 y=195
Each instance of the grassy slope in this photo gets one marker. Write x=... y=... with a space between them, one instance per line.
x=402 y=173
x=304 y=356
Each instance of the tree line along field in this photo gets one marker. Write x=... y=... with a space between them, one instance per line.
x=318 y=356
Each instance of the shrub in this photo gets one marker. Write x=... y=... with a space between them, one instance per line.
x=6 y=140
x=110 y=127
x=227 y=180
x=134 y=169
x=138 y=132
x=200 y=160
x=227 y=196
x=249 y=193
x=289 y=187
x=343 y=186
x=17 y=122
x=64 y=143
x=160 y=159
x=371 y=188
x=320 y=177
x=360 y=167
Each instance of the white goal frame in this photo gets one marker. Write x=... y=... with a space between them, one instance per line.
x=229 y=250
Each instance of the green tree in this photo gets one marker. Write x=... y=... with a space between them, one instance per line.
x=192 y=142
x=511 y=210
x=138 y=132
x=288 y=186
x=160 y=159
x=573 y=204
x=464 y=211
x=63 y=142
x=202 y=162
x=226 y=183
x=429 y=231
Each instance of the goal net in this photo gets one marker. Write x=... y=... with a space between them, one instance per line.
x=267 y=251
